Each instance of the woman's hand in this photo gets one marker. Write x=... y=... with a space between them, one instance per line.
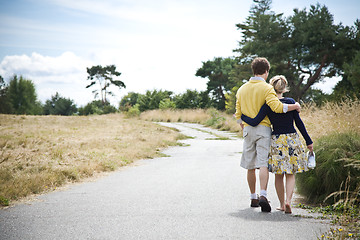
x=310 y=147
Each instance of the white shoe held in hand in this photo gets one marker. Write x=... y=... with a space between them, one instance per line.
x=311 y=160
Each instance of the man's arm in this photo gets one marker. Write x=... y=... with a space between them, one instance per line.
x=295 y=106
x=273 y=101
x=278 y=107
x=238 y=107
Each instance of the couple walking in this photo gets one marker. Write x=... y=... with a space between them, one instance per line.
x=258 y=106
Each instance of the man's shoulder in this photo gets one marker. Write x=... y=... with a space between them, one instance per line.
x=257 y=83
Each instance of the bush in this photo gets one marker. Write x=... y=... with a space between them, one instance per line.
x=97 y=107
x=109 y=109
x=337 y=159
x=133 y=111
x=151 y=99
x=167 y=104
x=58 y=105
x=215 y=120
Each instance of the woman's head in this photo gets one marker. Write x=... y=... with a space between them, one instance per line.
x=279 y=83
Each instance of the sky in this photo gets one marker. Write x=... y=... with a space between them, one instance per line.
x=156 y=44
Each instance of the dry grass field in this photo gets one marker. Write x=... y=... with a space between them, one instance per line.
x=332 y=117
x=40 y=153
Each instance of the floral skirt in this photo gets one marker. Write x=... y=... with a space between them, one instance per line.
x=287 y=154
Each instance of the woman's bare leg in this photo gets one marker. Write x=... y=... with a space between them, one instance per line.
x=279 y=186
x=290 y=185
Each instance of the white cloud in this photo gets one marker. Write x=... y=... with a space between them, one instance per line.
x=63 y=68
x=65 y=74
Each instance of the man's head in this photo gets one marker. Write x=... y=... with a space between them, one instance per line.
x=260 y=66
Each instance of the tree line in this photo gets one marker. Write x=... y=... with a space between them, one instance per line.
x=306 y=48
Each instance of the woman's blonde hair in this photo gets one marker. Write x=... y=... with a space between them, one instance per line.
x=279 y=83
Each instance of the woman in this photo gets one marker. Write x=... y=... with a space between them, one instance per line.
x=287 y=154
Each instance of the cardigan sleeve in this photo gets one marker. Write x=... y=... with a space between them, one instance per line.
x=264 y=110
x=300 y=125
x=238 y=106
x=273 y=101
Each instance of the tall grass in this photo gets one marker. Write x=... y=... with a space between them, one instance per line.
x=332 y=117
x=338 y=158
x=208 y=117
x=38 y=153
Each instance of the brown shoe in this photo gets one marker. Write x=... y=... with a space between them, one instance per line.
x=264 y=204
x=254 y=203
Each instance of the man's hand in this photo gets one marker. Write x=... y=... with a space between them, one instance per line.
x=242 y=125
x=296 y=106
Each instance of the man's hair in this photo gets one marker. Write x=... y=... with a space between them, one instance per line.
x=260 y=65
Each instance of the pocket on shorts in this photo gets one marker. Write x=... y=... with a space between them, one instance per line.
x=245 y=132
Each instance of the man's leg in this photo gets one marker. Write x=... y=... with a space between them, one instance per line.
x=264 y=178
x=262 y=150
x=251 y=178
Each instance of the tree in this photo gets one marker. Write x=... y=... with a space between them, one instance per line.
x=5 y=105
x=128 y=101
x=192 y=99
x=58 y=105
x=306 y=47
x=103 y=76
x=151 y=99
x=218 y=72
x=23 y=97
x=97 y=107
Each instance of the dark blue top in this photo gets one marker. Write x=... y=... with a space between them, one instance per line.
x=282 y=122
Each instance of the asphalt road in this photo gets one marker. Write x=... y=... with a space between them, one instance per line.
x=198 y=192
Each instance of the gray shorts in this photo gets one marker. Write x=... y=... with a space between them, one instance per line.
x=256 y=147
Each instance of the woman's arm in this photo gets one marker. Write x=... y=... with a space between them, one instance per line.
x=264 y=110
x=300 y=125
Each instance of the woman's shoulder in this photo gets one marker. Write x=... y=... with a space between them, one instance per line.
x=287 y=100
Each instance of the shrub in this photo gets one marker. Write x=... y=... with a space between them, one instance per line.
x=215 y=120
x=133 y=111
x=167 y=104
x=58 y=105
x=337 y=159
x=97 y=107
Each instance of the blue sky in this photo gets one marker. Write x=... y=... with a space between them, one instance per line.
x=155 y=44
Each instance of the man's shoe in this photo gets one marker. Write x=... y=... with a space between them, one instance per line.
x=264 y=204
x=254 y=203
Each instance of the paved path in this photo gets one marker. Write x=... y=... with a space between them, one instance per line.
x=199 y=192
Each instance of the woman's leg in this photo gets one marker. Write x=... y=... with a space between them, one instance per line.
x=290 y=185
x=279 y=186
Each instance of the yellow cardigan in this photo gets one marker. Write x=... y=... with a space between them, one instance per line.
x=252 y=95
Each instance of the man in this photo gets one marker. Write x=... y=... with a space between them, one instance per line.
x=249 y=99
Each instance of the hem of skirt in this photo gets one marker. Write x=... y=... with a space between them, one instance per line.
x=285 y=172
